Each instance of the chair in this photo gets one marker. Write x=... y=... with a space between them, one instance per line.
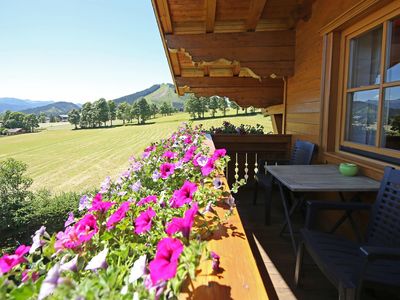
x=350 y=265
x=302 y=154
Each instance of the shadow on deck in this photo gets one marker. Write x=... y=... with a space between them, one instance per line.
x=274 y=255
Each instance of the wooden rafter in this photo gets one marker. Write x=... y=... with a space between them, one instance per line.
x=255 y=10
x=211 y=6
x=165 y=16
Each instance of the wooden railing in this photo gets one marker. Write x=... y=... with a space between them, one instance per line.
x=247 y=150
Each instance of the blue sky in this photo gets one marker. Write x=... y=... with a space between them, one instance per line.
x=79 y=50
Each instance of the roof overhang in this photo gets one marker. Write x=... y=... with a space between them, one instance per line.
x=238 y=49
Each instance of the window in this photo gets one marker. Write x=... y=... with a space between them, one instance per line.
x=371 y=94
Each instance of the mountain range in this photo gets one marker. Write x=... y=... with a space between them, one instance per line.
x=156 y=94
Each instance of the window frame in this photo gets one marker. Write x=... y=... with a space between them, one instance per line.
x=347 y=35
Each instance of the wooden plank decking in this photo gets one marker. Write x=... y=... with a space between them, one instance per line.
x=274 y=255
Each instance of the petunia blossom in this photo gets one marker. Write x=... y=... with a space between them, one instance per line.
x=166 y=169
x=67 y=239
x=84 y=203
x=98 y=261
x=170 y=154
x=208 y=167
x=189 y=154
x=72 y=265
x=29 y=274
x=8 y=262
x=99 y=205
x=136 y=186
x=184 y=195
x=70 y=219
x=118 y=215
x=138 y=269
x=199 y=160
x=37 y=240
x=165 y=263
x=184 y=224
x=86 y=228
x=218 y=153
x=148 y=199
x=215 y=261
x=144 y=221
x=49 y=284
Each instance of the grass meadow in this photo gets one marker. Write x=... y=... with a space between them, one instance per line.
x=62 y=159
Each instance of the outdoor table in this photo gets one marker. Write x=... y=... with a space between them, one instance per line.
x=317 y=178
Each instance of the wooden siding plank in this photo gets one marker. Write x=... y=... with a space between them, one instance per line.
x=211 y=6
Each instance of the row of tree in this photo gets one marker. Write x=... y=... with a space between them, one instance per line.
x=198 y=106
x=12 y=119
x=101 y=111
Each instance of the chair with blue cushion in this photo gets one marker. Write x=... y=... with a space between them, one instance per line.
x=349 y=265
x=302 y=154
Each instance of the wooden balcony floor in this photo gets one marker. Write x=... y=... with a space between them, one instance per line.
x=274 y=255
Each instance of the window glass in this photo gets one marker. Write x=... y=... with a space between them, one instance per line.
x=391 y=119
x=365 y=57
x=393 y=52
x=362 y=111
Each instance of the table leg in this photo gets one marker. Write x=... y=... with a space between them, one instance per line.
x=287 y=216
x=347 y=215
x=297 y=202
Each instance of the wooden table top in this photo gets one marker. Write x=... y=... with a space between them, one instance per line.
x=321 y=178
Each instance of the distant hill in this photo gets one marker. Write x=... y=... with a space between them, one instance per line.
x=157 y=94
x=56 y=108
x=15 y=104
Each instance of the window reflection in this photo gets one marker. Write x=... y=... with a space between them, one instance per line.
x=393 y=52
x=391 y=119
x=365 y=56
x=362 y=114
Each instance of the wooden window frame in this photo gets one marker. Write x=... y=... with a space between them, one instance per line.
x=336 y=37
x=346 y=36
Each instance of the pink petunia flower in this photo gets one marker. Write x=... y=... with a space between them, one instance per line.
x=189 y=154
x=148 y=151
x=188 y=140
x=170 y=155
x=144 y=221
x=184 y=224
x=184 y=195
x=148 y=199
x=29 y=274
x=208 y=167
x=86 y=228
x=99 y=205
x=7 y=262
x=166 y=169
x=67 y=239
x=165 y=263
x=218 y=153
x=118 y=215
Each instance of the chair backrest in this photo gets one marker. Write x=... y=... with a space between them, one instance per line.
x=302 y=153
x=384 y=227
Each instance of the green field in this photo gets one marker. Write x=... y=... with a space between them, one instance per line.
x=62 y=159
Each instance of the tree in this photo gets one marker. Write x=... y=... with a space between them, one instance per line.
x=31 y=122
x=154 y=109
x=15 y=120
x=223 y=104
x=213 y=105
x=52 y=119
x=144 y=110
x=190 y=106
x=165 y=109
x=123 y=111
x=396 y=123
x=203 y=106
x=135 y=112
x=234 y=105
x=74 y=117
x=42 y=117
x=86 y=119
x=112 y=111
x=101 y=111
x=14 y=192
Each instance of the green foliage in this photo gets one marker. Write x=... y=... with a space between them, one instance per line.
x=74 y=117
x=14 y=194
x=229 y=128
x=101 y=111
x=124 y=112
x=144 y=110
x=396 y=123
x=20 y=120
x=112 y=111
x=42 y=117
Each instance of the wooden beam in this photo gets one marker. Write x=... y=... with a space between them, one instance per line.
x=274 y=109
x=255 y=10
x=230 y=40
x=211 y=7
x=227 y=82
x=165 y=16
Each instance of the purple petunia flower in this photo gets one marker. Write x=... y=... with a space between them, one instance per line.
x=50 y=282
x=84 y=203
x=98 y=261
x=70 y=219
x=135 y=187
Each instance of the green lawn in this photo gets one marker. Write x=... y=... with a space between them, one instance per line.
x=62 y=159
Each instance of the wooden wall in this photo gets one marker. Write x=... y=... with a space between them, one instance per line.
x=303 y=89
